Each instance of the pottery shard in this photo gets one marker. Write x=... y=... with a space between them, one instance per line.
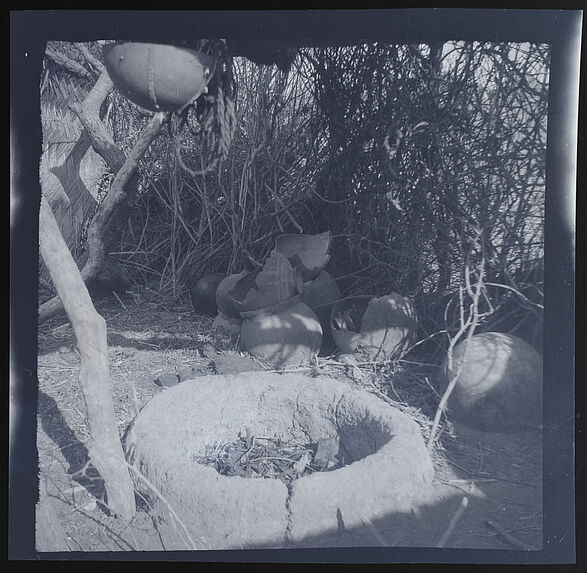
x=233 y=364
x=167 y=379
x=276 y=282
x=309 y=253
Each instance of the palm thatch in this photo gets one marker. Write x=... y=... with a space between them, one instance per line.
x=70 y=170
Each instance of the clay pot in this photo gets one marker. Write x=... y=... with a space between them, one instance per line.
x=377 y=328
x=286 y=334
x=320 y=295
x=203 y=294
x=231 y=326
x=113 y=277
x=309 y=253
x=158 y=77
x=274 y=283
x=227 y=305
x=499 y=384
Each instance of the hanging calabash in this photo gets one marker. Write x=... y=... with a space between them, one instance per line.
x=158 y=77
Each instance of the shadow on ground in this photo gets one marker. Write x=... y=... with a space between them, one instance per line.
x=75 y=452
x=500 y=475
x=155 y=343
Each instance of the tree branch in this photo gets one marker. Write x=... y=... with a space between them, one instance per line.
x=468 y=327
x=123 y=187
x=119 y=194
x=90 y=58
x=89 y=115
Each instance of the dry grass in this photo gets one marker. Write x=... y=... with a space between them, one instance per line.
x=150 y=336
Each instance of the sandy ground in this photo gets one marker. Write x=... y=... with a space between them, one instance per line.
x=498 y=474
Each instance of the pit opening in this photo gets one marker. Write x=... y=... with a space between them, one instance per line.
x=315 y=433
x=279 y=457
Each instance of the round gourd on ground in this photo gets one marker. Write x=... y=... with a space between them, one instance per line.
x=499 y=383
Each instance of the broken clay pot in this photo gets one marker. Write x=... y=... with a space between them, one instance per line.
x=377 y=328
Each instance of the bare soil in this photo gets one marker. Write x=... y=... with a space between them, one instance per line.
x=152 y=342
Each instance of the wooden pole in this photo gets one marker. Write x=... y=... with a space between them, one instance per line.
x=104 y=447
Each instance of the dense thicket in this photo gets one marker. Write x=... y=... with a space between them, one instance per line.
x=419 y=159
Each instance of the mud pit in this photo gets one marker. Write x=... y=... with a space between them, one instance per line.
x=391 y=465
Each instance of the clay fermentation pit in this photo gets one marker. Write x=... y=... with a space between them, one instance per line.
x=390 y=464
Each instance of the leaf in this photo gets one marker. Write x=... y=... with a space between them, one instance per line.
x=300 y=466
x=327 y=451
x=352 y=363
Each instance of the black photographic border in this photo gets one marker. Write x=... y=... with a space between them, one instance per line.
x=29 y=30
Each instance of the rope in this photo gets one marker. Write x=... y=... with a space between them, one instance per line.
x=214 y=111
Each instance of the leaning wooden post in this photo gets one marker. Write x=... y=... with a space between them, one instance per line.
x=104 y=448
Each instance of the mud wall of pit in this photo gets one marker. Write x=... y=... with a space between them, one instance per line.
x=390 y=463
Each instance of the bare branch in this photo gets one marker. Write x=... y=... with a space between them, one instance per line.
x=89 y=115
x=90 y=58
